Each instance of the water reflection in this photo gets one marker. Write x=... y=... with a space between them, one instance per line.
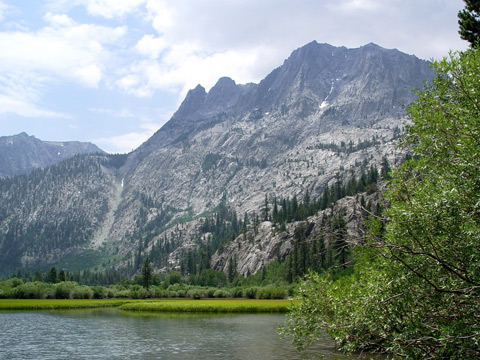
x=112 y=334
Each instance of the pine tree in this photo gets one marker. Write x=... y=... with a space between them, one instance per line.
x=265 y=210
x=62 y=276
x=386 y=169
x=469 y=22
x=53 y=276
x=147 y=274
x=275 y=216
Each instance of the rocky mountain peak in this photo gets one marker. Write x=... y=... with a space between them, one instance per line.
x=189 y=109
x=222 y=96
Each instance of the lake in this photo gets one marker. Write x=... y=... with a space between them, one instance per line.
x=113 y=334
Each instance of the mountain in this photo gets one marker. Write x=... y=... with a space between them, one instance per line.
x=327 y=115
x=20 y=154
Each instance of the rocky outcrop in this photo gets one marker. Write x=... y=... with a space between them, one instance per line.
x=252 y=251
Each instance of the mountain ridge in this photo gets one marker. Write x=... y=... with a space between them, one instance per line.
x=326 y=114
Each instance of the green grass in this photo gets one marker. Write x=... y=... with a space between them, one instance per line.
x=53 y=304
x=157 y=305
x=210 y=305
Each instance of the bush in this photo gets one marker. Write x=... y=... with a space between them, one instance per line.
x=195 y=293
x=237 y=292
x=250 y=293
x=33 y=290
x=221 y=294
x=82 y=292
x=99 y=292
x=120 y=292
x=210 y=292
x=271 y=292
x=138 y=292
x=63 y=290
x=181 y=293
x=158 y=292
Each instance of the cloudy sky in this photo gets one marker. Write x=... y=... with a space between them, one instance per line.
x=113 y=71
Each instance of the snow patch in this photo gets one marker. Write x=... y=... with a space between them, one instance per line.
x=325 y=103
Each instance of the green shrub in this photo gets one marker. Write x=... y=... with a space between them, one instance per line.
x=220 y=293
x=210 y=292
x=63 y=290
x=138 y=292
x=82 y=292
x=121 y=293
x=250 y=293
x=33 y=290
x=236 y=292
x=181 y=293
x=99 y=292
x=195 y=294
x=271 y=292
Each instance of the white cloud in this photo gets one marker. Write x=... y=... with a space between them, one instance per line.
x=108 y=9
x=4 y=8
x=15 y=105
x=118 y=113
x=89 y=75
x=151 y=46
x=184 y=66
x=61 y=51
x=112 y=8
x=162 y=14
x=59 y=20
x=358 y=5
x=67 y=51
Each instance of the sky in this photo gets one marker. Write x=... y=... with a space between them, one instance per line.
x=112 y=72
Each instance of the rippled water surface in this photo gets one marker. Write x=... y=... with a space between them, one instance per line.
x=112 y=334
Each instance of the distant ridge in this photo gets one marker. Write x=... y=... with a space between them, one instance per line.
x=20 y=154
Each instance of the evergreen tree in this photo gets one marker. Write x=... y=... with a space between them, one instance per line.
x=147 y=274
x=265 y=209
x=469 y=22
x=52 y=275
x=62 y=276
x=231 y=270
x=275 y=214
x=386 y=169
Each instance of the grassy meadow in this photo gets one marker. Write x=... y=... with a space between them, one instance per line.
x=157 y=305
x=54 y=304
x=210 y=306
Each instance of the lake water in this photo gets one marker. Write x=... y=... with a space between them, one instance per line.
x=113 y=334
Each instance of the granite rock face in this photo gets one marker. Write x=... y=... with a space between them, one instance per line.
x=327 y=112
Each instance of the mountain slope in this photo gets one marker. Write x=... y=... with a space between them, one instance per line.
x=20 y=154
x=325 y=115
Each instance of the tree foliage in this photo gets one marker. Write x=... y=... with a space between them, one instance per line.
x=416 y=289
x=469 y=22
